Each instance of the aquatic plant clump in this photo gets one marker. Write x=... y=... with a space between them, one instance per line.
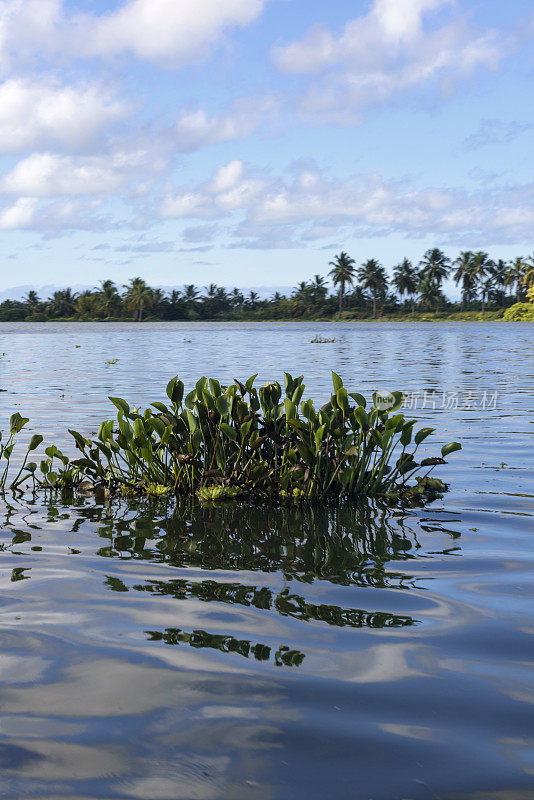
x=229 y=442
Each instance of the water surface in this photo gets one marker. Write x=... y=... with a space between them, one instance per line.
x=152 y=651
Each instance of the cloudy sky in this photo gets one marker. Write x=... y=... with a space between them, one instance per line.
x=247 y=141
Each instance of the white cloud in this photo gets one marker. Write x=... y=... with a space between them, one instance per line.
x=39 y=114
x=296 y=209
x=230 y=189
x=167 y=32
x=388 y=51
x=195 y=129
x=49 y=175
x=20 y=215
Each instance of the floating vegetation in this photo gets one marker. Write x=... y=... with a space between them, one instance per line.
x=113 y=361
x=226 y=442
x=320 y=340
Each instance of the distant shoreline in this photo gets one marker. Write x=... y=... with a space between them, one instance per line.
x=468 y=316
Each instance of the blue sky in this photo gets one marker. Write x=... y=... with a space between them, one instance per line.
x=245 y=142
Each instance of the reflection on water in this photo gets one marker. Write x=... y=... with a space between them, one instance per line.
x=152 y=651
x=256 y=653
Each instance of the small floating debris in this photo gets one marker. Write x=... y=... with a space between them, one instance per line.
x=321 y=340
x=113 y=361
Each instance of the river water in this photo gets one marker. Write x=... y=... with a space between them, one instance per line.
x=166 y=652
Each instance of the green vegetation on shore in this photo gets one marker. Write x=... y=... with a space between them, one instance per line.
x=231 y=442
x=488 y=289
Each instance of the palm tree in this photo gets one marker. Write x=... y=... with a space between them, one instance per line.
x=138 y=296
x=372 y=276
x=516 y=275
x=190 y=297
x=32 y=300
x=87 y=304
x=302 y=297
x=500 y=270
x=63 y=302
x=318 y=289
x=252 y=300
x=406 y=279
x=430 y=295
x=342 y=272
x=236 y=298
x=464 y=275
x=435 y=266
x=482 y=272
x=109 y=298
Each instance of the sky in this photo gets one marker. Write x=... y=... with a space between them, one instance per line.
x=246 y=142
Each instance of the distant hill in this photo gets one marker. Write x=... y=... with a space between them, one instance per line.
x=19 y=292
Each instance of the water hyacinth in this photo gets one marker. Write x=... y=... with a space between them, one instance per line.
x=230 y=442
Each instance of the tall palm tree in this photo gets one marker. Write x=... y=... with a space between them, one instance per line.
x=109 y=298
x=406 y=279
x=32 y=300
x=302 y=297
x=252 y=300
x=482 y=272
x=516 y=275
x=435 y=266
x=190 y=297
x=372 y=276
x=63 y=302
x=464 y=275
x=87 y=304
x=318 y=289
x=236 y=298
x=501 y=268
x=430 y=295
x=342 y=272
x=138 y=297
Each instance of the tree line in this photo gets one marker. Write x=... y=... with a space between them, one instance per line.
x=484 y=284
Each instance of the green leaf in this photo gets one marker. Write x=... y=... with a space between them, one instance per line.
x=318 y=436
x=202 y=383
x=161 y=407
x=407 y=433
x=342 y=398
x=190 y=399
x=35 y=441
x=249 y=384
x=215 y=387
x=81 y=442
x=228 y=431
x=338 y=383
x=421 y=435
x=452 y=447
x=288 y=383
x=191 y=420
x=121 y=404
x=291 y=411
x=17 y=423
x=224 y=404
x=361 y=418
x=175 y=391
x=305 y=453
x=358 y=398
